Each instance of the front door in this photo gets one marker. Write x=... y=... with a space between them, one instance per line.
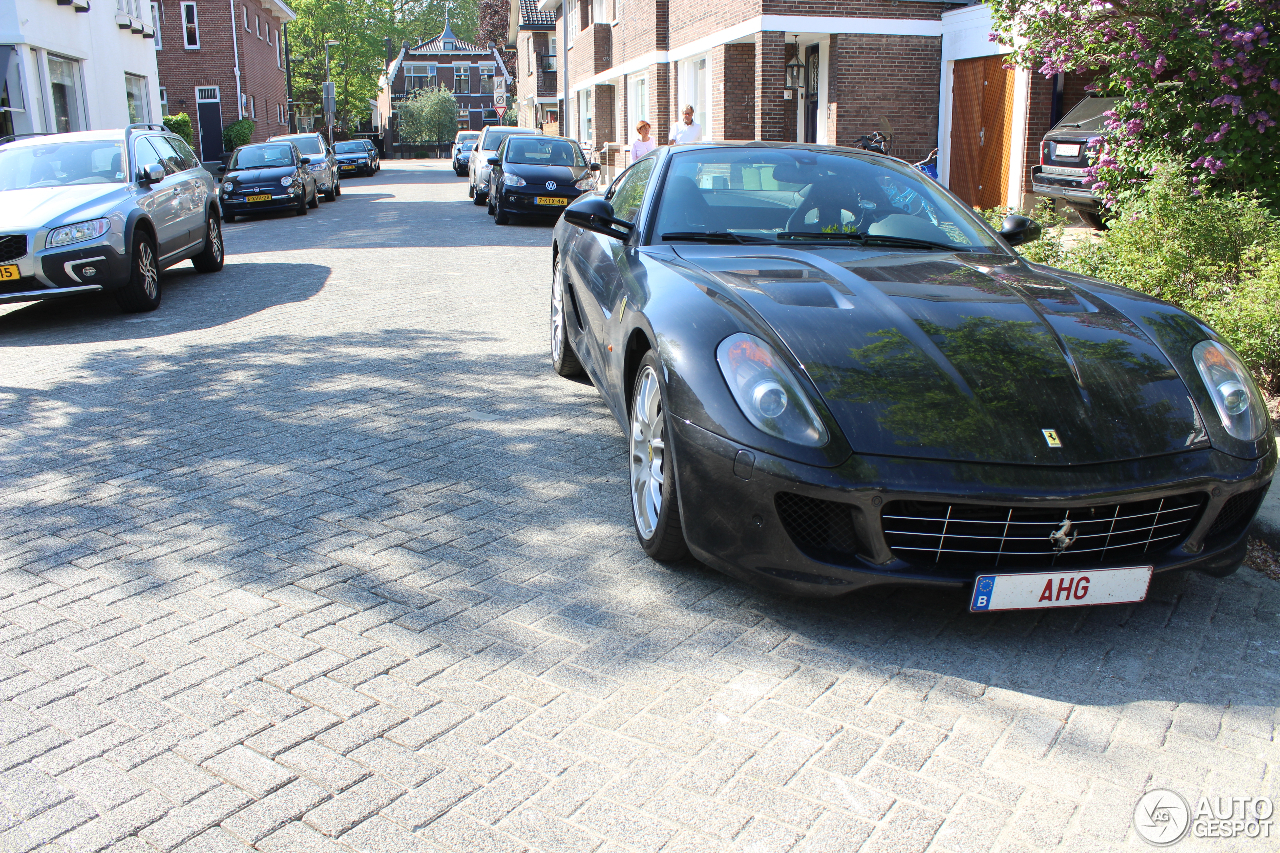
x=209 y=114
x=811 y=93
x=981 y=130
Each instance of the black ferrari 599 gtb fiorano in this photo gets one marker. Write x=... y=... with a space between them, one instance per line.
x=833 y=374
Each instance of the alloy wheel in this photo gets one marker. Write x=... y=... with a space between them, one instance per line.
x=147 y=267
x=648 y=453
x=557 y=314
x=215 y=239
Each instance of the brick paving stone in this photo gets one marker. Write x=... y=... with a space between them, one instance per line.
x=320 y=556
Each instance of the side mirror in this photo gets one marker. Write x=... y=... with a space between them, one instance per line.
x=595 y=167
x=595 y=214
x=222 y=169
x=1017 y=230
x=472 y=147
x=494 y=161
x=306 y=161
x=153 y=174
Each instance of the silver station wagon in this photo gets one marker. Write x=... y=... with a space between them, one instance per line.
x=103 y=210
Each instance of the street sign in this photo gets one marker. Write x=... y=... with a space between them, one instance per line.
x=329 y=98
x=500 y=111
x=499 y=100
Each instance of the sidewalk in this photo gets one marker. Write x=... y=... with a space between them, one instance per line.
x=1267 y=525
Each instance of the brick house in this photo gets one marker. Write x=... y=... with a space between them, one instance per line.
x=465 y=69
x=925 y=70
x=539 y=103
x=221 y=62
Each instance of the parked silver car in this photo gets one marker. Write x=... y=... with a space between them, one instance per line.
x=485 y=147
x=103 y=210
x=323 y=165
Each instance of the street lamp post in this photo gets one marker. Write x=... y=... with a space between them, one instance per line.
x=330 y=95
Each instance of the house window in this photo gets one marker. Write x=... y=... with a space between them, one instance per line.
x=190 y=26
x=694 y=90
x=549 y=61
x=257 y=25
x=571 y=22
x=419 y=77
x=637 y=101
x=461 y=79
x=584 y=117
x=486 y=79
x=244 y=12
x=602 y=11
x=64 y=87
x=135 y=92
x=164 y=102
x=253 y=107
x=155 y=25
x=529 y=53
x=279 y=53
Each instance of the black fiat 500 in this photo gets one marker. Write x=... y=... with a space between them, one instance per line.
x=537 y=176
x=265 y=177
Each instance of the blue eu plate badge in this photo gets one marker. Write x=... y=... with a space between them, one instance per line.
x=982 y=588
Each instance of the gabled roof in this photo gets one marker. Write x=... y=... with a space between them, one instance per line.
x=436 y=45
x=532 y=19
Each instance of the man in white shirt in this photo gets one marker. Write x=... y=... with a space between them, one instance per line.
x=690 y=131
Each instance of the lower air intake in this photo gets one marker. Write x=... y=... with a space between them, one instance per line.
x=822 y=530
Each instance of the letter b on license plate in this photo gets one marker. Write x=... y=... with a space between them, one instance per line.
x=1033 y=591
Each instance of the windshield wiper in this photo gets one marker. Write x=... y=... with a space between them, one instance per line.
x=846 y=236
x=863 y=239
x=712 y=237
x=914 y=242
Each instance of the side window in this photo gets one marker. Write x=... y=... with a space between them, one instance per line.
x=146 y=156
x=627 y=193
x=172 y=161
x=189 y=158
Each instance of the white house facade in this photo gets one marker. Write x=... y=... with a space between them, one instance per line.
x=73 y=65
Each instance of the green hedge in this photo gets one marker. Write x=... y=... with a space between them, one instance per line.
x=1216 y=255
x=180 y=123
x=236 y=134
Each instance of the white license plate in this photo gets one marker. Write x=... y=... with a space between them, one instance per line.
x=1059 y=589
x=1072 y=150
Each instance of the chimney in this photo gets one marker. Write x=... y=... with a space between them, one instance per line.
x=390 y=49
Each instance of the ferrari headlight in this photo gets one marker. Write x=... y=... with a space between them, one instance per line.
x=767 y=393
x=587 y=183
x=1234 y=395
x=78 y=233
x=513 y=180
x=285 y=181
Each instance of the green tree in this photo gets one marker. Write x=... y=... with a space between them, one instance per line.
x=361 y=29
x=429 y=115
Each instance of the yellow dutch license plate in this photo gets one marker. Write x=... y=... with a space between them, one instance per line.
x=9 y=272
x=257 y=198
x=545 y=200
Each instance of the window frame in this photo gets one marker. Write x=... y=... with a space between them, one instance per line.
x=466 y=75
x=145 y=93
x=193 y=27
x=157 y=16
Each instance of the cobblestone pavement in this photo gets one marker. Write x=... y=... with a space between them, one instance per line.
x=321 y=556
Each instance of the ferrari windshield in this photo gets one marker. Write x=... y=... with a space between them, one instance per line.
x=794 y=195
x=543 y=151
x=62 y=164
x=271 y=156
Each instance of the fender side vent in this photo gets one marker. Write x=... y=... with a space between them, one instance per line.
x=1235 y=516
x=822 y=530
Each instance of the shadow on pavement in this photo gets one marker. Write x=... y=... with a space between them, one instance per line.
x=189 y=301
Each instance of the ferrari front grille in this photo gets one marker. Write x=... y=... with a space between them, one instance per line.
x=1235 y=515
x=1031 y=537
x=822 y=530
x=12 y=247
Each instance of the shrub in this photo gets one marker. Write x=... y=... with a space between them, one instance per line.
x=429 y=115
x=236 y=134
x=180 y=123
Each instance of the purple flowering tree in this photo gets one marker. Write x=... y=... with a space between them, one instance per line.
x=1197 y=82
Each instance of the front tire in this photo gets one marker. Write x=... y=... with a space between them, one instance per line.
x=500 y=215
x=228 y=217
x=564 y=360
x=337 y=189
x=476 y=198
x=331 y=193
x=655 y=506
x=315 y=199
x=142 y=292
x=210 y=257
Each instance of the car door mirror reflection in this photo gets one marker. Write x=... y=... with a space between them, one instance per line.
x=306 y=161
x=494 y=161
x=595 y=167
x=596 y=214
x=153 y=174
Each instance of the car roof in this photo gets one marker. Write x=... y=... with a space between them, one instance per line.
x=78 y=136
x=508 y=129
x=802 y=146
x=293 y=136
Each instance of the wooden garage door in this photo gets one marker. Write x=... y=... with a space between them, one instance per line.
x=981 y=130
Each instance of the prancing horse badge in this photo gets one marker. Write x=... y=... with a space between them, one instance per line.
x=1051 y=436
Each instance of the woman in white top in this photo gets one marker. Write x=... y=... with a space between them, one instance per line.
x=644 y=144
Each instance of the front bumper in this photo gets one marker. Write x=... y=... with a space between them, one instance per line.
x=69 y=272
x=353 y=168
x=524 y=200
x=279 y=201
x=729 y=508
